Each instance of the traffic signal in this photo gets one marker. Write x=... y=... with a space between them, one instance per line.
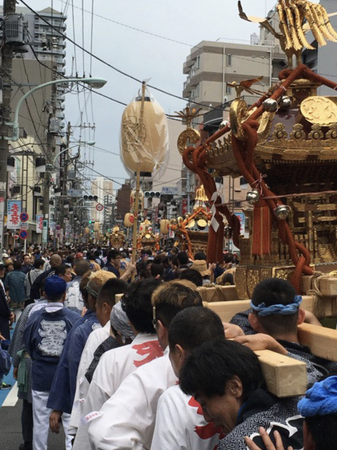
x=152 y=194
x=90 y=198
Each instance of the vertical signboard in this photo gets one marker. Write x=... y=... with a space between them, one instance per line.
x=13 y=214
x=39 y=223
x=45 y=232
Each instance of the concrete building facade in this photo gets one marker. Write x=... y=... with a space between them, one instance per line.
x=40 y=60
x=211 y=65
x=103 y=188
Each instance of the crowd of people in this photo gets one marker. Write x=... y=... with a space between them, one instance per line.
x=125 y=356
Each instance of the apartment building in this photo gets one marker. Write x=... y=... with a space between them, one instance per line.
x=103 y=188
x=37 y=62
x=211 y=65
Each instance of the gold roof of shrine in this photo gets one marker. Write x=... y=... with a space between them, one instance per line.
x=305 y=132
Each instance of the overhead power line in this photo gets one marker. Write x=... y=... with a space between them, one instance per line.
x=110 y=65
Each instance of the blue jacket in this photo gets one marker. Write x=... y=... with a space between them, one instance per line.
x=44 y=337
x=62 y=392
x=15 y=283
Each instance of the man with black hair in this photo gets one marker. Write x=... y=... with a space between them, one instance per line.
x=44 y=338
x=179 y=420
x=113 y=265
x=275 y=312
x=127 y=419
x=157 y=270
x=98 y=258
x=64 y=272
x=105 y=301
x=113 y=262
x=226 y=379
x=32 y=275
x=115 y=365
x=74 y=300
x=200 y=256
x=225 y=275
x=26 y=263
x=192 y=275
x=55 y=261
x=182 y=261
x=14 y=283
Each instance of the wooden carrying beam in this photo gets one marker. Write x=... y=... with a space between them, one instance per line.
x=226 y=310
x=218 y=293
x=321 y=341
x=285 y=376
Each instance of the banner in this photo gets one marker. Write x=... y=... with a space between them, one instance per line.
x=242 y=218
x=13 y=214
x=39 y=223
x=45 y=231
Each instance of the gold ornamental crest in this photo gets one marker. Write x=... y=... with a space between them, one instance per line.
x=319 y=110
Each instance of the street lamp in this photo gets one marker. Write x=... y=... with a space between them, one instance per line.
x=91 y=143
x=96 y=83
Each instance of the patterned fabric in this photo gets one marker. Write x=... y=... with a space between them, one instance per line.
x=241 y=319
x=264 y=409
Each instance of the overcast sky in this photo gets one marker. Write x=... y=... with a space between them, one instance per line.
x=142 y=55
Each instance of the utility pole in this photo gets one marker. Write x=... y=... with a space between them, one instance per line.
x=64 y=162
x=6 y=74
x=49 y=155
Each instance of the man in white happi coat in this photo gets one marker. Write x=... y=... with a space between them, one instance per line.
x=115 y=365
x=180 y=423
x=104 y=305
x=74 y=300
x=126 y=421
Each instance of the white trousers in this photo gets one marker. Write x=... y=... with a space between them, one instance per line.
x=41 y=422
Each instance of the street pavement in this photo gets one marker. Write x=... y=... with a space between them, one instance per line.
x=10 y=421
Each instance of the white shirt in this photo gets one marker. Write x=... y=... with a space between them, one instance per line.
x=74 y=300
x=180 y=424
x=113 y=367
x=127 y=420
x=95 y=339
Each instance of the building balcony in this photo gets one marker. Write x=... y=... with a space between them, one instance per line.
x=187 y=90
x=188 y=64
x=213 y=119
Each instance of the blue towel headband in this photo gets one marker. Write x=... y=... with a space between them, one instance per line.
x=284 y=310
x=321 y=399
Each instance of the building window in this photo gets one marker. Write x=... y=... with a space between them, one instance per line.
x=228 y=90
x=195 y=92
x=229 y=60
x=197 y=62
